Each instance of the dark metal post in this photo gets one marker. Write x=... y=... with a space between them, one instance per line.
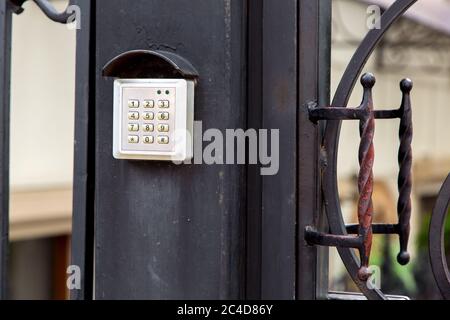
x=279 y=101
x=289 y=50
x=313 y=84
x=84 y=162
x=5 y=69
x=164 y=231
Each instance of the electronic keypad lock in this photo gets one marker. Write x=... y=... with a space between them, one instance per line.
x=153 y=119
x=153 y=106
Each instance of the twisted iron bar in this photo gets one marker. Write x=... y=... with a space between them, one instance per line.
x=365 y=177
x=404 y=176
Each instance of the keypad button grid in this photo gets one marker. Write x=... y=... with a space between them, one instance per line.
x=146 y=128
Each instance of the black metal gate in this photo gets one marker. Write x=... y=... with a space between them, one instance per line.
x=162 y=231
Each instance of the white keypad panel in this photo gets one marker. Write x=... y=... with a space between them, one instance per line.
x=146 y=118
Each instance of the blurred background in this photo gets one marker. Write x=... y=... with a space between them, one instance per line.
x=418 y=47
x=42 y=126
x=42 y=119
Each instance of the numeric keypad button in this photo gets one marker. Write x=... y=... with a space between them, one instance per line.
x=148 y=127
x=133 y=103
x=163 y=127
x=148 y=139
x=149 y=103
x=133 y=139
x=163 y=116
x=163 y=139
x=148 y=116
x=163 y=103
x=133 y=127
x=133 y=115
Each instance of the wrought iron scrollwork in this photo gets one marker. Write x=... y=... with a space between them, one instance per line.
x=48 y=9
x=359 y=236
x=364 y=229
x=436 y=240
x=330 y=144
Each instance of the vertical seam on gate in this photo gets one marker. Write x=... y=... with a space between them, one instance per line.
x=253 y=199
x=297 y=139
x=84 y=160
x=90 y=235
x=4 y=162
x=306 y=258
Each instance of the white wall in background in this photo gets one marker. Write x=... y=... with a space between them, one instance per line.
x=42 y=100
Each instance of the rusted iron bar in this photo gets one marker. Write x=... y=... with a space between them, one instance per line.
x=340 y=113
x=365 y=177
x=313 y=237
x=336 y=113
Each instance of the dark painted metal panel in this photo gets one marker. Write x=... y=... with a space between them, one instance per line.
x=279 y=105
x=5 y=70
x=167 y=231
x=308 y=146
x=84 y=153
x=280 y=265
